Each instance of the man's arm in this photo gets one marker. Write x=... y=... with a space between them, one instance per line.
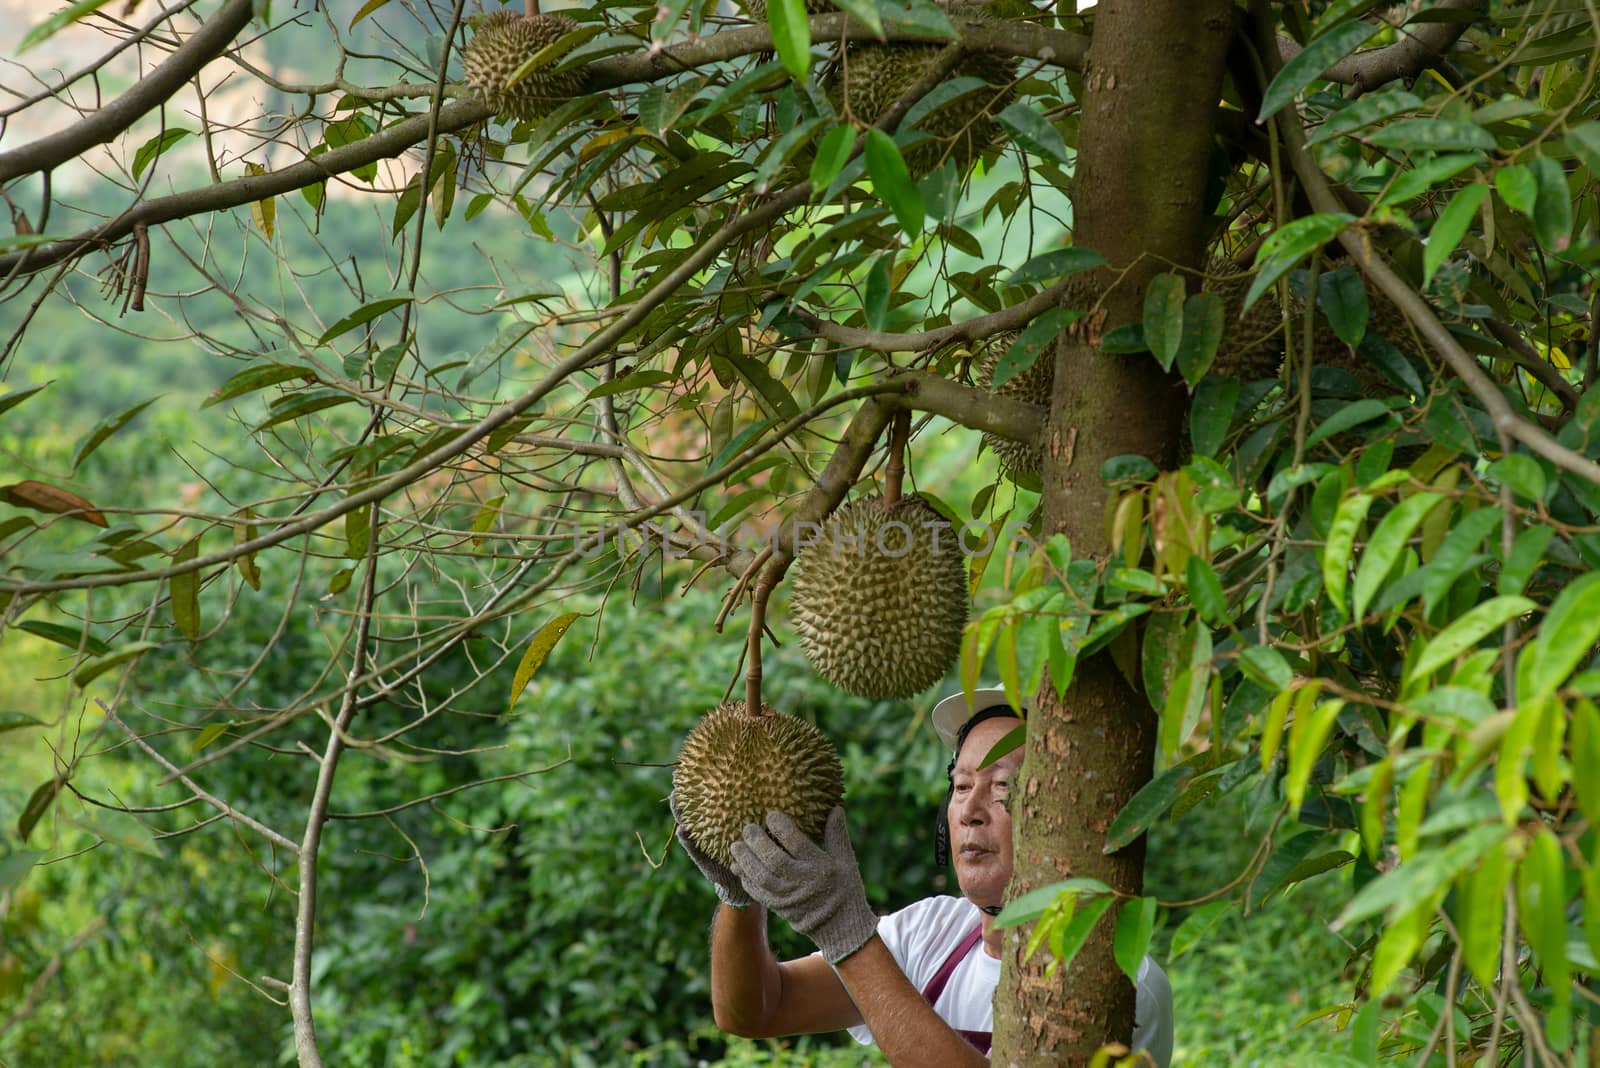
x=903 y=1024
x=756 y=996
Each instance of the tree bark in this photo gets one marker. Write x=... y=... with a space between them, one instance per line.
x=1152 y=80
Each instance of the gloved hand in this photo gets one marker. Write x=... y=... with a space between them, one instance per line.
x=729 y=890
x=817 y=889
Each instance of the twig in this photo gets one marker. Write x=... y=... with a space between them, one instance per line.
x=211 y=799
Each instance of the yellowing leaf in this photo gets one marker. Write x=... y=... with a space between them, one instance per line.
x=532 y=660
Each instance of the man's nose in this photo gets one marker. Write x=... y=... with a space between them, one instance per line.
x=974 y=810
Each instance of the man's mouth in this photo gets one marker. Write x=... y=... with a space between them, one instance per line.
x=974 y=851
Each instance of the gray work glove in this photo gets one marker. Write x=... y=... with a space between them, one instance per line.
x=722 y=879
x=816 y=888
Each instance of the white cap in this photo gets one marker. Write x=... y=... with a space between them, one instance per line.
x=952 y=713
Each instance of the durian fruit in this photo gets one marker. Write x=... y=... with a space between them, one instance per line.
x=735 y=768
x=1385 y=319
x=757 y=9
x=1019 y=461
x=504 y=40
x=871 y=77
x=880 y=598
x=1252 y=346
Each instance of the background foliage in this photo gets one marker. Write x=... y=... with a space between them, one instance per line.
x=1364 y=606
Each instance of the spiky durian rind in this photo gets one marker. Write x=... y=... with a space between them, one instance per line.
x=504 y=40
x=880 y=598
x=734 y=768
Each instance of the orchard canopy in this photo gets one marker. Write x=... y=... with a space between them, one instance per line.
x=1279 y=318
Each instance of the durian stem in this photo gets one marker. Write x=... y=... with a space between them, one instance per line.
x=894 y=475
x=531 y=7
x=752 y=665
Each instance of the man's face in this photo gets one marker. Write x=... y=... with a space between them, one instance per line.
x=980 y=821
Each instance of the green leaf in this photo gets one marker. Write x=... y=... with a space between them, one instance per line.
x=1343 y=297
x=1364 y=112
x=864 y=12
x=185 y=591
x=1542 y=912
x=1163 y=318
x=875 y=302
x=37 y=805
x=1521 y=473
x=11 y=721
x=14 y=866
x=366 y=9
x=92 y=669
x=1527 y=553
x=1031 y=344
x=1433 y=135
x=1147 y=806
x=1055 y=264
x=1286 y=247
x=103 y=430
x=633 y=380
x=791 y=35
x=1266 y=665
x=1416 y=879
x=1450 y=227
x=1033 y=132
x=152 y=149
x=832 y=154
x=1337 y=551
x=1566 y=639
x=1398 y=944
x=1199 y=923
x=211 y=733
x=538 y=649
x=1136 y=923
x=365 y=314
x=1518 y=187
x=1466 y=632
x=17 y=396
x=1552 y=214
x=892 y=181
x=252 y=379
x=57 y=22
x=1386 y=544
x=1035 y=902
x=1205 y=592
x=64 y=635
x=1350 y=416
x=1584 y=142
x=1064 y=947
x=1307 y=735
x=1205 y=321
x=1309 y=64
x=1012 y=740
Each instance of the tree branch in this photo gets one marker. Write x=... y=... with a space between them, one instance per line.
x=977 y=329
x=215 y=802
x=1406 y=58
x=1422 y=316
x=150 y=92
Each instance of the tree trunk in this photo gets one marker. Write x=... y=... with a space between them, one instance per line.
x=1151 y=85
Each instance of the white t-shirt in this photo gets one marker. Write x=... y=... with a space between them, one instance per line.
x=921 y=936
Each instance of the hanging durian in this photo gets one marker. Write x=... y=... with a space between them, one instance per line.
x=1251 y=347
x=869 y=78
x=757 y=9
x=1020 y=461
x=503 y=41
x=880 y=598
x=734 y=768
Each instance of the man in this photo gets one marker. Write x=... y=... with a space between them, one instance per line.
x=920 y=982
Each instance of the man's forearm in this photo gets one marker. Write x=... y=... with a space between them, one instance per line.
x=903 y=1024
x=745 y=983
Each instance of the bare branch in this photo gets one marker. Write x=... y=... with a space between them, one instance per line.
x=149 y=93
x=1406 y=58
x=211 y=799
